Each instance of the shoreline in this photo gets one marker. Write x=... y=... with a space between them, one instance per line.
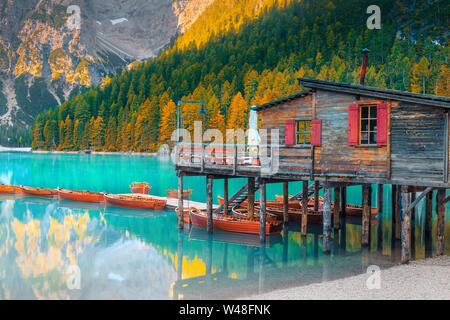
x=421 y=279
x=122 y=153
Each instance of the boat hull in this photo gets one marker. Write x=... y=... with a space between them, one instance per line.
x=136 y=203
x=81 y=196
x=227 y=223
x=173 y=193
x=9 y=189
x=39 y=192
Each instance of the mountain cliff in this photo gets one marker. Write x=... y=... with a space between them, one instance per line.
x=47 y=55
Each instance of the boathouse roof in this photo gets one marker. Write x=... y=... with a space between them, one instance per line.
x=363 y=90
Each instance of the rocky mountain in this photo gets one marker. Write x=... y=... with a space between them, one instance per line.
x=52 y=49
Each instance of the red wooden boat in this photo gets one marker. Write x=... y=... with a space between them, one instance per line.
x=83 y=196
x=186 y=216
x=38 y=192
x=140 y=187
x=173 y=193
x=292 y=204
x=234 y=224
x=135 y=201
x=9 y=189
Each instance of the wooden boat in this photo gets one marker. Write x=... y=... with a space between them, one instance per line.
x=9 y=189
x=233 y=224
x=295 y=215
x=173 y=193
x=38 y=192
x=83 y=196
x=310 y=201
x=140 y=187
x=186 y=216
x=273 y=203
x=135 y=201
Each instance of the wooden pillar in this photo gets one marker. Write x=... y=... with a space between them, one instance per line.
x=285 y=201
x=327 y=219
x=251 y=197
x=304 y=208
x=209 y=211
x=336 y=209
x=225 y=196
x=440 y=205
x=180 y=201
x=406 y=223
x=343 y=201
x=365 y=233
x=262 y=213
x=316 y=195
x=413 y=210
x=380 y=198
x=428 y=212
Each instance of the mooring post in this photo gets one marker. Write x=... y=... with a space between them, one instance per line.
x=327 y=219
x=336 y=209
x=225 y=196
x=440 y=205
x=285 y=201
x=251 y=197
x=209 y=211
x=316 y=195
x=304 y=208
x=180 y=201
x=406 y=223
x=365 y=223
x=262 y=213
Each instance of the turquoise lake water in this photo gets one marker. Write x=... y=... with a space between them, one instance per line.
x=51 y=249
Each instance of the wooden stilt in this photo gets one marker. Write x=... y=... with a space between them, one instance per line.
x=305 y=208
x=380 y=198
x=393 y=207
x=180 y=201
x=406 y=223
x=365 y=241
x=398 y=225
x=327 y=219
x=225 y=196
x=336 y=209
x=316 y=195
x=285 y=202
x=343 y=201
x=251 y=197
x=262 y=213
x=440 y=197
x=413 y=210
x=428 y=212
x=209 y=220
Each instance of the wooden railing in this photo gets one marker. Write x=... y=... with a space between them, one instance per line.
x=226 y=156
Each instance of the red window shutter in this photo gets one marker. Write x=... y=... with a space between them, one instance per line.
x=289 y=133
x=381 y=124
x=353 y=124
x=316 y=132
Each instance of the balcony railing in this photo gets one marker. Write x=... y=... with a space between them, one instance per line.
x=229 y=157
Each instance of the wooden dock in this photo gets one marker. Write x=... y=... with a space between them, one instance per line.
x=172 y=203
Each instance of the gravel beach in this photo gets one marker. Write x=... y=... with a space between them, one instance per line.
x=422 y=279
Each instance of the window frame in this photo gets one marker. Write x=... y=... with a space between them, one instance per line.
x=304 y=133
x=369 y=120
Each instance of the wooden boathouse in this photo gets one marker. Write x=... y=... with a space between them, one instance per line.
x=338 y=135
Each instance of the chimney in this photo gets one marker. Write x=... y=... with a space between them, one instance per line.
x=365 y=53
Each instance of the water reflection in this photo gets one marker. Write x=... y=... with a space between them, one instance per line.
x=124 y=253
